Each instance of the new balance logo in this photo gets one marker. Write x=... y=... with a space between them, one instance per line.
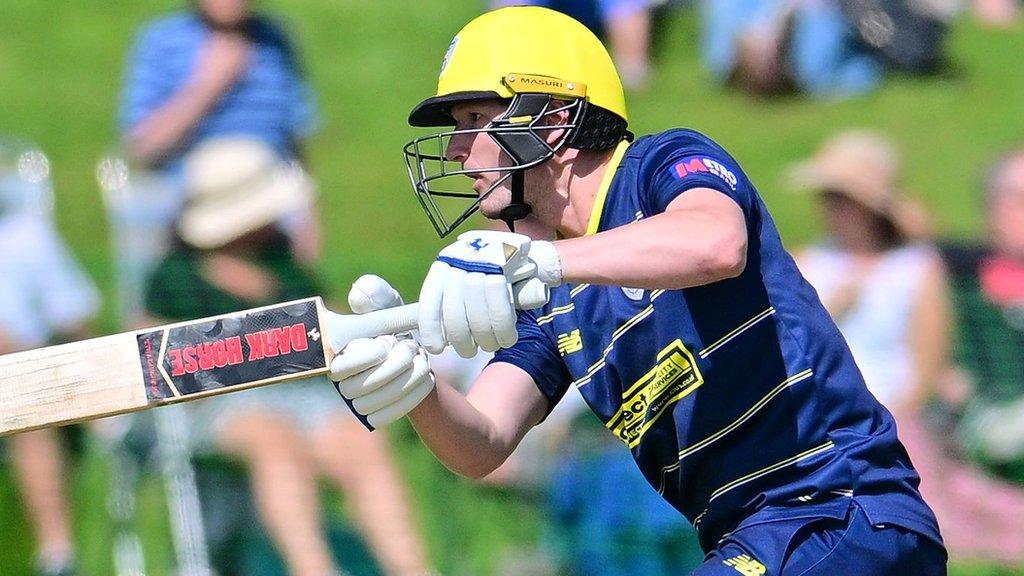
x=746 y=565
x=570 y=342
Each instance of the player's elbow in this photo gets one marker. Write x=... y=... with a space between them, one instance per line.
x=474 y=468
x=725 y=257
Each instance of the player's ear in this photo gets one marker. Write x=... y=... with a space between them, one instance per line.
x=562 y=114
x=560 y=117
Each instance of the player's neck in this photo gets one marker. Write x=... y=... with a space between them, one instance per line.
x=576 y=179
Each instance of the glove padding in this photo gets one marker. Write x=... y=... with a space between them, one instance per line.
x=467 y=299
x=382 y=378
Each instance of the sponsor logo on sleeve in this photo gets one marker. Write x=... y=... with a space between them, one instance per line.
x=704 y=165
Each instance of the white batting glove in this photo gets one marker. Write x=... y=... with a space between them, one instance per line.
x=383 y=378
x=471 y=292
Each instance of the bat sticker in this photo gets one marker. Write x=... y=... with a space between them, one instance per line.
x=232 y=350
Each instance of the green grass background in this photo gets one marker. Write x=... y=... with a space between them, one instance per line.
x=61 y=68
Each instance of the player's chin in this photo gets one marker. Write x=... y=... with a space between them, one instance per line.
x=492 y=204
x=490 y=213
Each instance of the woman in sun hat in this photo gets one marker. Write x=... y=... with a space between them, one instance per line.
x=885 y=285
x=872 y=269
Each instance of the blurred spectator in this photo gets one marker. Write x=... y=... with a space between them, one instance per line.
x=988 y=284
x=604 y=516
x=45 y=297
x=999 y=13
x=229 y=257
x=827 y=48
x=887 y=290
x=217 y=69
x=625 y=25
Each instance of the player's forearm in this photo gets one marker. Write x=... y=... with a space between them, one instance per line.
x=929 y=334
x=458 y=434
x=667 y=251
x=170 y=125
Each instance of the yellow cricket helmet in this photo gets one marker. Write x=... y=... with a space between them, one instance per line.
x=523 y=49
x=546 y=65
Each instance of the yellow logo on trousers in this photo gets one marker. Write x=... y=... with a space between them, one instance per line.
x=746 y=565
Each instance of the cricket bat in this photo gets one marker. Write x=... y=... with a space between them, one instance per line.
x=181 y=362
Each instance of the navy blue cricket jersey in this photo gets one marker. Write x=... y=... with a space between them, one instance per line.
x=735 y=396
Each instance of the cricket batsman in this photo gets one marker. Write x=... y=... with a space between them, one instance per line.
x=674 y=309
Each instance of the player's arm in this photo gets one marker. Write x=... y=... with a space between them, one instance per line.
x=222 y=61
x=700 y=238
x=474 y=434
x=383 y=379
x=931 y=323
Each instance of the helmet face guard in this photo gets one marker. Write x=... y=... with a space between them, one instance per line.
x=520 y=133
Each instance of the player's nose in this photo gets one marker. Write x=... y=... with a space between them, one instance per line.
x=457 y=149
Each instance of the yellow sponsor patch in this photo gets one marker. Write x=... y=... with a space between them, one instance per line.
x=746 y=565
x=570 y=342
x=675 y=376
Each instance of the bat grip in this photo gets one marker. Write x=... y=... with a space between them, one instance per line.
x=343 y=328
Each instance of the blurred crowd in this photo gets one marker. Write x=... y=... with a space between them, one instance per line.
x=212 y=209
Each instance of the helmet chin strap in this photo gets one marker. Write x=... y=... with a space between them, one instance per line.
x=517 y=208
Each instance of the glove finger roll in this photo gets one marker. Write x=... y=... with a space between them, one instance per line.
x=388 y=393
x=352 y=387
x=453 y=312
x=399 y=360
x=359 y=355
x=502 y=313
x=393 y=389
x=431 y=299
x=402 y=406
x=477 y=313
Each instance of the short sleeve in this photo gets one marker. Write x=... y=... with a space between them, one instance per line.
x=147 y=83
x=681 y=162
x=536 y=354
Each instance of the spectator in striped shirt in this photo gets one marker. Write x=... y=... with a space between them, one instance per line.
x=216 y=69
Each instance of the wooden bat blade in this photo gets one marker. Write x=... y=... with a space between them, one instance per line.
x=61 y=384
x=179 y=362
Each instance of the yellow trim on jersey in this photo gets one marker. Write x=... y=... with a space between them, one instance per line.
x=769 y=469
x=606 y=183
x=615 y=336
x=578 y=289
x=700 y=517
x=736 y=332
x=747 y=415
x=555 y=312
x=690 y=450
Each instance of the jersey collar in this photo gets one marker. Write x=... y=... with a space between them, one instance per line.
x=602 y=190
